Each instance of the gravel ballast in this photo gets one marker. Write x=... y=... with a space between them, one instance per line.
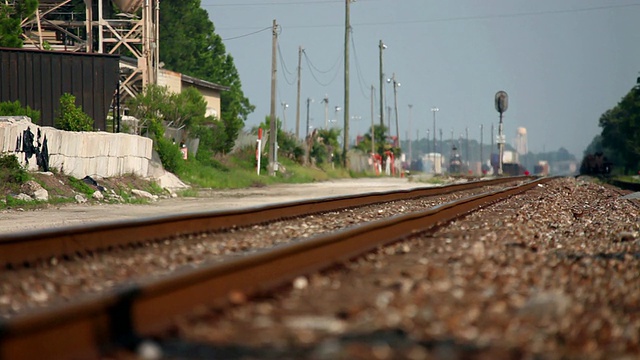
x=552 y=273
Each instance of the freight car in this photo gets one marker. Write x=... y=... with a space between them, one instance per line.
x=595 y=164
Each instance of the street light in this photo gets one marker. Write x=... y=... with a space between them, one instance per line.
x=396 y=84
x=410 y=147
x=381 y=46
x=284 y=115
x=434 y=110
x=336 y=108
x=326 y=111
x=306 y=138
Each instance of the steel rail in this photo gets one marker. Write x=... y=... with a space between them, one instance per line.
x=123 y=317
x=22 y=248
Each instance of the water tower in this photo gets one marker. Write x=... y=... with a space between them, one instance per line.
x=133 y=29
x=521 y=141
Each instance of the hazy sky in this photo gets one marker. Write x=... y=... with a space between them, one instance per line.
x=562 y=62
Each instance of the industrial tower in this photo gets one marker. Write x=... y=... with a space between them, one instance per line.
x=521 y=141
x=126 y=27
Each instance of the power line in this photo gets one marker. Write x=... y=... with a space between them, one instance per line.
x=335 y=64
x=275 y=3
x=249 y=34
x=311 y=68
x=285 y=70
x=361 y=82
x=466 y=18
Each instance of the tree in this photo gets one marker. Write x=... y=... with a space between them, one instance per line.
x=621 y=131
x=10 y=18
x=71 y=117
x=148 y=107
x=190 y=46
x=380 y=141
x=9 y=108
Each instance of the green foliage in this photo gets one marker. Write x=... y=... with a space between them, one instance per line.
x=71 y=117
x=621 y=132
x=192 y=47
x=11 y=172
x=326 y=147
x=149 y=106
x=380 y=143
x=170 y=154
x=157 y=107
x=80 y=186
x=9 y=108
x=10 y=18
x=288 y=146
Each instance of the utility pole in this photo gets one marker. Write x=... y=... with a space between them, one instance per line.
x=347 y=30
x=409 y=137
x=373 y=133
x=382 y=46
x=466 y=149
x=284 y=115
x=395 y=106
x=298 y=95
x=481 y=144
x=307 y=141
x=273 y=132
x=326 y=111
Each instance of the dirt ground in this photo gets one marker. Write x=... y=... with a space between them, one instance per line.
x=20 y=220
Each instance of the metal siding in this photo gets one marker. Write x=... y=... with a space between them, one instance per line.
x=39 y=78
x=96 y=97
x=28 y=83
x=38 y=98
x=84 y=89
x=4 y=78
x=13 y=69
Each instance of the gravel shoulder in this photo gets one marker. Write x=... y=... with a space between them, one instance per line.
x=13 y=221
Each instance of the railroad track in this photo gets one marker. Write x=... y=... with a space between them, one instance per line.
x=17 y=249
x=123 y=317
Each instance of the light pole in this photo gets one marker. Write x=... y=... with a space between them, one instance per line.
x=429 y=153
x=481 y=144
x=409 y=137
x=434 y=110
x=307 y=141
x=336 y=109
x=381 y=46
x=466 y=147
x=326 y=111
x=396 y=84
x=284 y=115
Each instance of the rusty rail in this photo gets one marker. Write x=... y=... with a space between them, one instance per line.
x=21 y=248
x=121 y=318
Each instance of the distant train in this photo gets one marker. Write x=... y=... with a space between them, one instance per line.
x=455 y=162
x=595 y=164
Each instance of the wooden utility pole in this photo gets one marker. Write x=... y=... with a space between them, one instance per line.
x=409 y=137
x=373 y=133
x=298 y=96
x=395 y=107
x=347 y=30
x=273 y=129
x=382 y=47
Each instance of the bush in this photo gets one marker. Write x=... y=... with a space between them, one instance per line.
x=71 y=117
x=9 y=108
x=170 y=154
x=11 y=172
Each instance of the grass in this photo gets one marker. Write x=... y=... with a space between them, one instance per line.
x=80 y=186
x=240 y=173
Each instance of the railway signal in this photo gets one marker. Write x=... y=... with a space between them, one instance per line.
x=502 y=103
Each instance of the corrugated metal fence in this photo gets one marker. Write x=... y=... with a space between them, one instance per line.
x=40 y=78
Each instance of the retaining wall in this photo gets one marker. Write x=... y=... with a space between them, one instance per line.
x=79 y=154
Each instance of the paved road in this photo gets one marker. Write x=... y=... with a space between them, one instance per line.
x=70 y=215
